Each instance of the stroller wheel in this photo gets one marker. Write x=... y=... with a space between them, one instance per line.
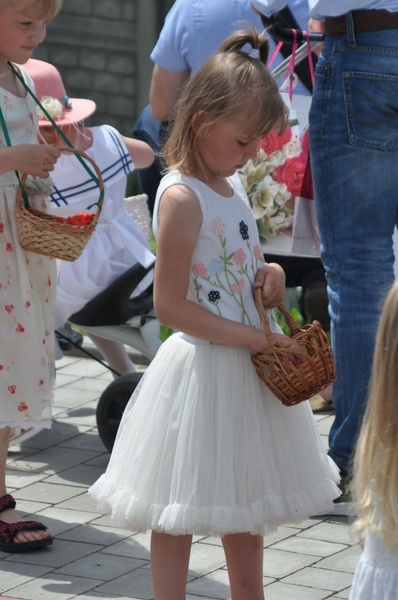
x=111 y=405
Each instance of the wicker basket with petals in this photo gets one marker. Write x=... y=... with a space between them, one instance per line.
x=298 y=370
x=50 y=235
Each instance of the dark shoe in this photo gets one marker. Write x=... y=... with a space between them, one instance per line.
x=9 y=531
x=344 y=505
x=344 y=486
x=67 y=337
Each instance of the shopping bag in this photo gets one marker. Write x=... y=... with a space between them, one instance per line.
x=278 y=183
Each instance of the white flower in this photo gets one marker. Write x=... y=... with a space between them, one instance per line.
x=293 y=147
x=267 y=196
x=52 y=106
x=39 y=186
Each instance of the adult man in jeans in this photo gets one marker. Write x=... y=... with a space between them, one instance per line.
x=354 y=153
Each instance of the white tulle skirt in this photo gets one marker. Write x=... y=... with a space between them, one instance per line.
x=205 y=448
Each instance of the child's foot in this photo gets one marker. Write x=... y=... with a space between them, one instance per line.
x=17 y=535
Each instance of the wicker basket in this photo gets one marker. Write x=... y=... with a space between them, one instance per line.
x=42 y=233
x=300 y=369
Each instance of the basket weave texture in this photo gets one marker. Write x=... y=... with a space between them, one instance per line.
x=298 y=370
x=42 y=233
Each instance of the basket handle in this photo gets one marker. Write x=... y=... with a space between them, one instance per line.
x=293 y=325
x=97 y=170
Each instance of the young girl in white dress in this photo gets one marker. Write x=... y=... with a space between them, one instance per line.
x=27 y=280
x=118 y=242
x=375 y=482
x=204 y=448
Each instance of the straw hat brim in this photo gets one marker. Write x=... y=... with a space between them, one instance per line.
x=82 y=108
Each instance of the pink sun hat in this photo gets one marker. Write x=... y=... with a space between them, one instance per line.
x=50 y=90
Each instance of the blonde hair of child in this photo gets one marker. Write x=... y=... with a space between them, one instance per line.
x=375 y=483
x=227 y=84
x=36 y=9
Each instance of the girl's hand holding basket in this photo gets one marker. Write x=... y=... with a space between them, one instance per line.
x=297 y=370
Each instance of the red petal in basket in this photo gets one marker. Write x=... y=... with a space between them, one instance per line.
x=80 y=219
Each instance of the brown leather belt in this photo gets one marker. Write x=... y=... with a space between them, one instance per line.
x=364 y=20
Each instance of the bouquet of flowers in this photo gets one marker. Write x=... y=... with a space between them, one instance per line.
x=279 y=173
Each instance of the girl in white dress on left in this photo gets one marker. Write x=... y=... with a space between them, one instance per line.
x=27 y=280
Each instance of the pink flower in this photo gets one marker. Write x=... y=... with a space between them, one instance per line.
x=292 y=174
x=218 y=227
x=257 y=252
x=238 y=287
x=9 y=247
x=199 y=270
x=22 y=406
x=27 y=304
x=12 y=389
x=239 y=257
x=9 y=308
x=273 y=141
x=41 y=382
x=19 y=328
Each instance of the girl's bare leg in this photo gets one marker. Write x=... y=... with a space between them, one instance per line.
x=114 y=353
x=244 y=556
x=169 y=565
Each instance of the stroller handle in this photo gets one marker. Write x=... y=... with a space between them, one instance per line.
x=282 y=34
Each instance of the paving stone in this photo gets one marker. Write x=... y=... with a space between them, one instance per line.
x=92 y=559
x=51 y=587
x=325 y=579
x=278 y=563
x=100 y=566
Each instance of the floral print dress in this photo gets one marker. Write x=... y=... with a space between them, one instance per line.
x=27 y=287
x=204 y=447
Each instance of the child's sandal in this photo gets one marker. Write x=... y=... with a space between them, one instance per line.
x=9 y=531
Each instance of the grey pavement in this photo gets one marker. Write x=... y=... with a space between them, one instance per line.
x=92 y=559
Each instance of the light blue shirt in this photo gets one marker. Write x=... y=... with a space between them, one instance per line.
x=319 y=9
x=195 y=29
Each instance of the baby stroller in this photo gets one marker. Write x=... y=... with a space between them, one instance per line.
x=114 y=315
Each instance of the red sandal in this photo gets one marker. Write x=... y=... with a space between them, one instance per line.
x=9 y=531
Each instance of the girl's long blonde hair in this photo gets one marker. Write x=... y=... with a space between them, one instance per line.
x=36 y=9
x=228 y=83
x=375 y=483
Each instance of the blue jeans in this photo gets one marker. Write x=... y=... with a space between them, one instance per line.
x=153 y=133
x=354 y=156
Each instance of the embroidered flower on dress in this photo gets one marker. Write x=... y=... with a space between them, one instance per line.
x=218 y=227
x=214 y=296
x=199 y=270
x=239 y=257
x=216 y=266
x=22 y=406
x=244 y=230
x=238 y=287
x=12 y=389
